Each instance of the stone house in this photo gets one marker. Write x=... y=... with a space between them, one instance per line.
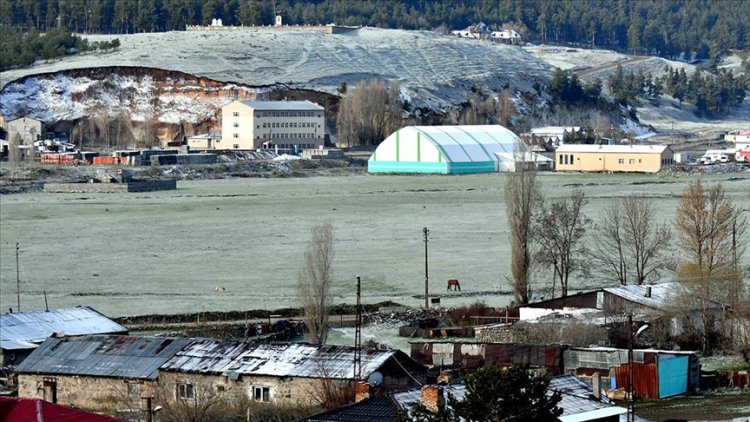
x=99 y=373
x=281 y=373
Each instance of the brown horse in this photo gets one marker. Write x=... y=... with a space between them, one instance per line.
x=453 y=284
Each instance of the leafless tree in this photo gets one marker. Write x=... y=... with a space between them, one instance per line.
x=522 y=196
x=199 y=400
x=14 y=152
x=369 y=113
x=628 y=243
x=711 y=233
x=505 y=108
x=314 y=283
x=559 y=229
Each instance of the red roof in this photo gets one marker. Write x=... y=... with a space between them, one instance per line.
x=14 y=409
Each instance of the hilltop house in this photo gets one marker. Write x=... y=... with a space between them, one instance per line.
x=22 y=332
x=249 y=125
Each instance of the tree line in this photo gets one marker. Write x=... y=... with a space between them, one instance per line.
x=23 y=48
x=669 y=28
x=711 y=93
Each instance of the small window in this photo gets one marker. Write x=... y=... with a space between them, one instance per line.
x=639 y=161
x=235 y=124
x=236 y=114
x=561 y=158
x=236 y=135
x=185 y=392
x=236 y=146
x=631 y=161
x=621 y=161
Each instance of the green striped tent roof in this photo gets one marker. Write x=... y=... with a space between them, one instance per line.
x=466 y=143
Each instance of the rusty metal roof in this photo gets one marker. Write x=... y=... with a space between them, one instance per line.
x=276 y=359
x=103 y=356
x=25 y=330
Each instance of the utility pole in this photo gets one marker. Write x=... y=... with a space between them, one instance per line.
x=426 y=271
x=358 y=335
x=18 y=282
x=631 y=404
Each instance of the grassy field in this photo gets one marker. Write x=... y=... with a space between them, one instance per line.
x=166 y=252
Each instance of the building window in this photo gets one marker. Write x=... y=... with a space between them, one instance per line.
x=236 y=135
x=185 y=392
x=631 y=161
x=236 y=114
x=236 y=146
x=235 y=124
x=621 y=161
x=561 y=158
x=639 y=161
x=572 y=160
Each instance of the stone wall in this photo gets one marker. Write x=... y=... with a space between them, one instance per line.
x=144 y=186
x=106 y=395
x=323 y=29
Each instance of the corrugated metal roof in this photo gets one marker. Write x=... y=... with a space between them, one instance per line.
x=275 y=359
x=104 y=356
x=662 y=294
x=282 y=105
x=620 y=149
x=34 y=327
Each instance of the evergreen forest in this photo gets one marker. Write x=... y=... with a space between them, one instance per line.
x=669 y=28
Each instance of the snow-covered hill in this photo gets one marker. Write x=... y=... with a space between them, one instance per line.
x=435 y=71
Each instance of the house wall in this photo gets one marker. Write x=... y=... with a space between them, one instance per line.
x=29 y=129
x=97 y=394
x=618 y=162
x=250 y=128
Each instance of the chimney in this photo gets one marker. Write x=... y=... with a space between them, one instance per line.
x=648 y=291
x=443 y=378
x=596 y=384
x=361 y=392
x=432 y=398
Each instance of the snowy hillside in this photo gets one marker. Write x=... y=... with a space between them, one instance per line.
x=435 y=71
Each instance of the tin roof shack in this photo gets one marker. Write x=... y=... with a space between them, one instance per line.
x=648 y=302
x=656 y=373
x=99 y=373
x=470 y=356
x=22 y=332
x=283 y=373
x=13 y=409
x=578 y=401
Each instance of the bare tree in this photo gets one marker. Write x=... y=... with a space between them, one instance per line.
x=192 y=399
x=369 y=113
x=559 y=229
x=629 y=244
x=14 y=153
x=711 y=234
x=314 y=283
x=522 y=196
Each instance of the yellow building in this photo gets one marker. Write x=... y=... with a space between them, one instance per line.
x=620 y=158
x=258 y=124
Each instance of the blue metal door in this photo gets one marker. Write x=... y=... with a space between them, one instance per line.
x=673 y=375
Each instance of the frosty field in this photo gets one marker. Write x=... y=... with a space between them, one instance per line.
x=166 y=252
